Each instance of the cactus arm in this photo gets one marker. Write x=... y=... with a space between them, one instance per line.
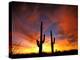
x=43 y=39
x=37 y=43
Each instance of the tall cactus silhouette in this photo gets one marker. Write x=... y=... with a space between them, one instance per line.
x=42 y=39
x=52 y=42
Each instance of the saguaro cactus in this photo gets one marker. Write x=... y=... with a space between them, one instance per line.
x=52 y=42
x=42 y=39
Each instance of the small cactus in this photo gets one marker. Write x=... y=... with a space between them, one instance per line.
x=52 y=42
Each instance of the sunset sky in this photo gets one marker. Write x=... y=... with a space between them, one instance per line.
x=26 y=20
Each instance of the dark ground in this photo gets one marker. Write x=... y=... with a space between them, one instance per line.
x=58 y=53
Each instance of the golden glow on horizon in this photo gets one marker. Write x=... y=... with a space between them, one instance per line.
x=24 y=50
x=60 y=45
x=46 y=48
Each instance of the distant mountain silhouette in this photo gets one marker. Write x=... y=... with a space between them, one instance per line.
x=44 y=54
